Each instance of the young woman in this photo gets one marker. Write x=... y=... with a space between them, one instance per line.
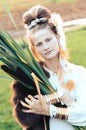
x=47 y=43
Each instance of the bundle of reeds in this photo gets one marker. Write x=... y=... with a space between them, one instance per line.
x=20 y=64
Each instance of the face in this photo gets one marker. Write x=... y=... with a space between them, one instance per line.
x=46 y=43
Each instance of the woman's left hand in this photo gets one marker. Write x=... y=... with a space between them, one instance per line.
x=36 y=105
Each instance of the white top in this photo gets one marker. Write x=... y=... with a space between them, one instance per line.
x=77 y=111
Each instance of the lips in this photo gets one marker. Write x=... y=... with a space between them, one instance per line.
x=48 y=52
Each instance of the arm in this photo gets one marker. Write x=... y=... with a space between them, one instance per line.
x=42 y=108
x=76 y=111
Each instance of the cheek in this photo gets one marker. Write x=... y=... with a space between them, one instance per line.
x=55 y=45
x=39 y=50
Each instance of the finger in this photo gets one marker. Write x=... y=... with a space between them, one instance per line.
x=42 y=101
x=27 y=111
x=36 y=96
x=28 y=101
x=25 y=105
x=41 y=98
x=30 y=97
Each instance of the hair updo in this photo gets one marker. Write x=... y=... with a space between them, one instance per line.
x=34 y=13
x=39 y=12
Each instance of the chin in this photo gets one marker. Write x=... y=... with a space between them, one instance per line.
x=54 y=55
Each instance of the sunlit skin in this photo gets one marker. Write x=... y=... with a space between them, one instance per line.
x=35 y=106
x=46 y=44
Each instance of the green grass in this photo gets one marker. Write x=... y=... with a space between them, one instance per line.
x=76 y=43
x=7 y=122
x=77 y=47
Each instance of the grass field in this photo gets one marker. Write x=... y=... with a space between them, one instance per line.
x=77 y=48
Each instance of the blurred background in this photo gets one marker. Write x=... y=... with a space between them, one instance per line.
x=75 y=38
x=69 y=10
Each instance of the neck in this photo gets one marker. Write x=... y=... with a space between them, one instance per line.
x=52 y=64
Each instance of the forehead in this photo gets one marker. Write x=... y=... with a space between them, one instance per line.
x=42 y=34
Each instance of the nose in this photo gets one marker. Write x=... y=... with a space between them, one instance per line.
x=46 y=47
